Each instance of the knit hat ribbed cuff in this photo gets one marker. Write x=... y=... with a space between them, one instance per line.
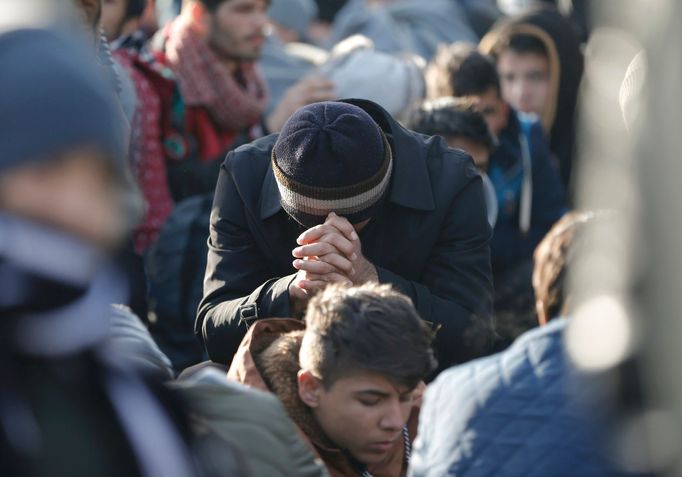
x=310 y=205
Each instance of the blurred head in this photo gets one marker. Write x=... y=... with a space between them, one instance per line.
x=459 y=70
x=61 y=145
x=358 y=70
x=291 y=19
x=460 y=123
x=91 y=11
x=234 y=29
x=363 y=353
x=523 y=67
x=121 y=16
x=553 y=258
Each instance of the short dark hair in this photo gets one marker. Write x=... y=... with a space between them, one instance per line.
x=451 y=117
x=461 y=70
x=135 y=9
x=553 y=257
x=370 y=327
x=212 y=5
x=519 y=43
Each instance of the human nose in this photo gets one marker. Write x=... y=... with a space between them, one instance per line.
x=261 y=21
x=393 y=418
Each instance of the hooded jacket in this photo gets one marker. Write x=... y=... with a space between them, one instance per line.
x=429 y=239
x=267 y=359
x=565 y=72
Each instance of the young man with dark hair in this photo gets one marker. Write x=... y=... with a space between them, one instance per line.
x=212 y=47
x=351 y=379
x=462 y=126
x=540 y=63
x=527 y=183
x=459 y=122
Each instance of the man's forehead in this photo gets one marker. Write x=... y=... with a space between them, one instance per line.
x=370 y=382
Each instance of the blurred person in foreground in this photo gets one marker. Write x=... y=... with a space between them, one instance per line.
x=346 y=194
x=67 y=404
x=350 y=377
x=525 y=411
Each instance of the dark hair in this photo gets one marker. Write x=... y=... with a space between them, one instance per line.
x=460 y=70
x=519 y=43
x=370 y=327
x=553 y=257
x=451 y=117
x=135 y=9
x=212 y=5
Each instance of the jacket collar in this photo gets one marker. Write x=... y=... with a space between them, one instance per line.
x=410 y=185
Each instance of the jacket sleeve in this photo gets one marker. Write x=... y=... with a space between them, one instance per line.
x=455 y=293
x=238 y=285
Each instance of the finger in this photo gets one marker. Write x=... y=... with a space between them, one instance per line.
x=342 y=244
x=329 y=278
x=313 y=234
x=343 y=225
x=310 y=287
x=333 y=243
x=321 y=281
x=339 y=262
x=325 y=252
x=314 y=249
x=314 y=266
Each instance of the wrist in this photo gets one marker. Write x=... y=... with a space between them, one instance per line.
x=365 y=272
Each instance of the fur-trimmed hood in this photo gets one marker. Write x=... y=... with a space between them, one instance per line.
x=267 y=359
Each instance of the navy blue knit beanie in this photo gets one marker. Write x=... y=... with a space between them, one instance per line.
x=331 y=156
x=53 y=100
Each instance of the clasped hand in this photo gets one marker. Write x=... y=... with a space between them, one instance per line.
x=328 y=253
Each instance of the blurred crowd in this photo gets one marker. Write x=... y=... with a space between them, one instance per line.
x=294 y=238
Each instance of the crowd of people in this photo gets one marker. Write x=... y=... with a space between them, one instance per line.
x=292 y=238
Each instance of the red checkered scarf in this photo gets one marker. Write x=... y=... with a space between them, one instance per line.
x=204 y=81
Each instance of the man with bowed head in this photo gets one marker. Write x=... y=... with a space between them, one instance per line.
x=346 y=194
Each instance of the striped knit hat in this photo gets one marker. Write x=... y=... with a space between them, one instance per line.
x=331 y=156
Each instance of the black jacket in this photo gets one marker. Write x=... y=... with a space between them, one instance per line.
x=429 y=239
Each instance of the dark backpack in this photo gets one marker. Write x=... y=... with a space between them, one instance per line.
x=176 y=264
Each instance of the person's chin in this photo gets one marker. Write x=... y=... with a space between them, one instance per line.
x=374 y=453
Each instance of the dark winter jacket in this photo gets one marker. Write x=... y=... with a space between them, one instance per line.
x=429 y=239
x=510 y=246
x=515 y=413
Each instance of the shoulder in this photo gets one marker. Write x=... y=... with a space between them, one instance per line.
x=449 y=169
x=533 y=360
x=252 y=158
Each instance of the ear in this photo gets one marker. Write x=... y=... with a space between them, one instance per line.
x=309 y=388
x=540 y=309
